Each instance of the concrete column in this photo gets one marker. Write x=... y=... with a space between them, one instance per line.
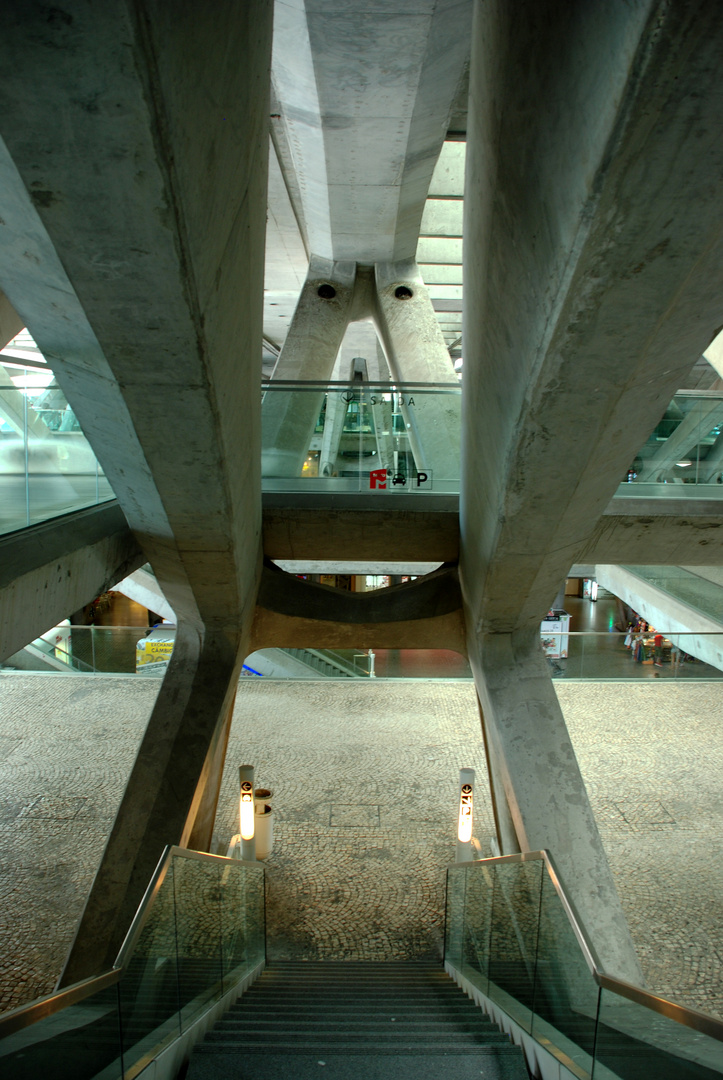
x=163 y=794
x=141 y=216
x=314 y=339
x=415 y=351
x=710 y=469
x=544 y=789
x=593 y=248
x=336 y=408
x=198 y=829
x=507 y=840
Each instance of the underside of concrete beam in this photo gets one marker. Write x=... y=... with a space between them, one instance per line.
x=329 y=534
x=423 y=614
x=52 y=569
x=658 y=539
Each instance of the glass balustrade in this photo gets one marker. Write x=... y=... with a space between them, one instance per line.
x=683 y=457
x=696 y=591
x=198 y=933
x=621 y=657
x=47 y=466
x=510 y=932
x=365 y=437
x=97 y=650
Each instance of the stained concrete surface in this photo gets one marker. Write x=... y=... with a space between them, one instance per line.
x=364 y=781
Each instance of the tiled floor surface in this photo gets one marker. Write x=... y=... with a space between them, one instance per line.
x=364 y=776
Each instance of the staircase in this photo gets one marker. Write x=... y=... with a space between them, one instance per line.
x=346 y=1019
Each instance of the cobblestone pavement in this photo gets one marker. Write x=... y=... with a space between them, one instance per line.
x=364 y=777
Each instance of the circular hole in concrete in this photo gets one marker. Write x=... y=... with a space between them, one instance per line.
x=326 y=292
x=403 y=292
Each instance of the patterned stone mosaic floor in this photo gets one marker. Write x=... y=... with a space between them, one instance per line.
x=364 y=781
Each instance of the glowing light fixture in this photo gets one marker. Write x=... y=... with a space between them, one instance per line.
x=465 y=815
x=246 y=811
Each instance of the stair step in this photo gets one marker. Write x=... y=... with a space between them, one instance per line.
x=339 y=1043
x=359 y=1008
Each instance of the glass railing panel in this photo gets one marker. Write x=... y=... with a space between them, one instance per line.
x=79 y=1043
x=617 y=656
x=242 y=920
x=149 y=998
x=361 y=438
x=513 y=938
x=477 y=928
x=47 y=466
x=704 y=595
x=683 y=456
x=110 y=649
x=198 y=929
x=455 y=920
x=634 y=1041
x=566 y=994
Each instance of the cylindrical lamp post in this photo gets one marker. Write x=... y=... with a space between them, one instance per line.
x=464 y=817
x=246 y=812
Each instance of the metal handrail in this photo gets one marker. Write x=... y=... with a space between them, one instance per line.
x=681 y=1014
x=27 y=1015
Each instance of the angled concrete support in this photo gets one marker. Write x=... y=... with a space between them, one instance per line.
x=314 y=339
x=416 y=352
x=198 y=830
x=536 y=765
x=593 y=254
x=163 y=796
x=134 y=249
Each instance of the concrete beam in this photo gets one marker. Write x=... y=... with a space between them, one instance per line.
x=273 y=630
x=592 y=268
x=671 y=538
x=157 y=288
x=423 y=614
x=594 y=242
x=50 y=570
x=328 y=534
x=377 y=88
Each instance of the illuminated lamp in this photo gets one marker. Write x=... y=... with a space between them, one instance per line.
x=246 y=812
x=465 y=815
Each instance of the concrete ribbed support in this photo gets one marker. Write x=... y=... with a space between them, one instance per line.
x=416 y=352
x=544 y=789
x=164 y=792
x=309 y=352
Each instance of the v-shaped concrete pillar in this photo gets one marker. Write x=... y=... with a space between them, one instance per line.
x=133 y=195
x=395 y=297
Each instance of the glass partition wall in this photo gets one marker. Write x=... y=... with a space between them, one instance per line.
x=361 y=437
x=47 y=466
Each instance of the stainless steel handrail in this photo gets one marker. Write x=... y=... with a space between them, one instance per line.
x=26 y=1015
x=681 y=1014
